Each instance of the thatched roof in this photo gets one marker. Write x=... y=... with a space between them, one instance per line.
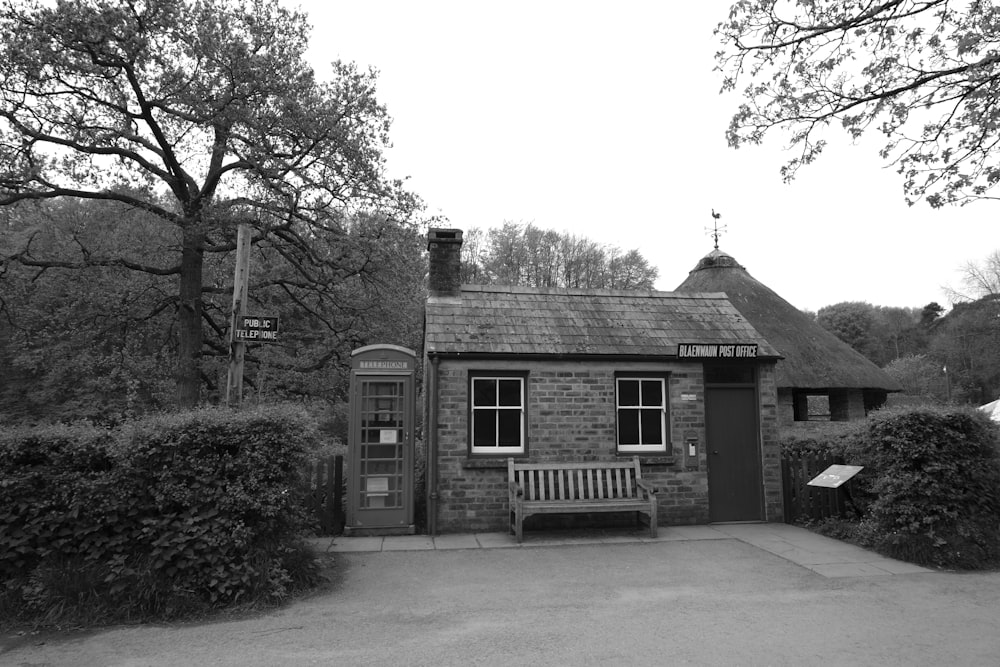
x=496 y=320
x=814 y=358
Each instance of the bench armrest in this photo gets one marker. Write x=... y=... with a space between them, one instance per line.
x=648 y=488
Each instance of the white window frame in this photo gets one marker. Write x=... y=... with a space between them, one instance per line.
x=659 y=448
x=495 y=450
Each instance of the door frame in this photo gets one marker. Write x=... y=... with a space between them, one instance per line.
x=752 y=388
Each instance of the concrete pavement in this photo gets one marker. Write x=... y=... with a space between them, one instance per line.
x=763 y=594
x=823 y=555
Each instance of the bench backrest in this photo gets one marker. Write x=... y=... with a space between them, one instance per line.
x=594 y=480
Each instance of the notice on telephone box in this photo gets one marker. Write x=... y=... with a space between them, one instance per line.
x=257 y=328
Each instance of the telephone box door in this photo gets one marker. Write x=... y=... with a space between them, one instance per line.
x=380 y=484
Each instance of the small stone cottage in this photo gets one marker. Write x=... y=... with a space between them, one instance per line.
x=683 y=381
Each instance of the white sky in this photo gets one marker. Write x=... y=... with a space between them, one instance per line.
x=604 y=119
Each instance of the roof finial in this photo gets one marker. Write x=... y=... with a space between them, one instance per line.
x=716 y=229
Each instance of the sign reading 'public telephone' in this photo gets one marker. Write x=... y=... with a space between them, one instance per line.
x=257 y=328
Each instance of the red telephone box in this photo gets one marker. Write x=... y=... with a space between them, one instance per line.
x=380 y=449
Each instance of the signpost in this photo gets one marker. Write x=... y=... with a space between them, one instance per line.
x=257 y=328
x=717 y=350
x=835 y=476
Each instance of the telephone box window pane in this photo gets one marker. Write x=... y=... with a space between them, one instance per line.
x=509 y=428
x=628 y=427
x=382 y=451
x=510 y=392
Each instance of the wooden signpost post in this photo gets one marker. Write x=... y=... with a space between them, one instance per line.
x=237 y=348
x=244 y=328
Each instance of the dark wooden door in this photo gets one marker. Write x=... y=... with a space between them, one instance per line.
x=735 y=484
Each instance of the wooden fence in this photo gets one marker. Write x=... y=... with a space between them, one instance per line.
x=809 y=502
x=323 y=493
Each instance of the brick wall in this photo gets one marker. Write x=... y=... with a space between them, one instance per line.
x=770 y=444
x=571 y=416
x=445 y=257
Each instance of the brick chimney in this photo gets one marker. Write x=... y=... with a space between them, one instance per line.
x=445 y=248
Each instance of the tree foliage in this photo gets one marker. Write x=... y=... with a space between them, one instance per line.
x=924 y=73
x=84 y=336
x=936 y=357
x=525 y=255
x=966 y=340
x=880 y=333
x=921 y=376
x=204 y=115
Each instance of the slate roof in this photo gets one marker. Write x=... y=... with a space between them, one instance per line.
x=490 y=319
x=813 y=357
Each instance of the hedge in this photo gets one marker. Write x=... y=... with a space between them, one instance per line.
x=155 y=518
x=931 y=484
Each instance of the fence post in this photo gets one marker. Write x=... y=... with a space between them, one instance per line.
x=338 y=493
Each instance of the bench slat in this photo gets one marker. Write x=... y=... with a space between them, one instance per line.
x=521 y=465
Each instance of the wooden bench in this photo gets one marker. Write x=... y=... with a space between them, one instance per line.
x=594 y=486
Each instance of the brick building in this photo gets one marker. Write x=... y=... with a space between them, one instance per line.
x=681 y=380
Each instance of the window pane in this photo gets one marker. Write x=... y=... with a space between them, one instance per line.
x=628 y=392
x=652 y=427
x=652 y=392
x=484 y=428
x=484 y=392
x=510 y=428
x=510 y=392
x=734 y=374
x=628 y=427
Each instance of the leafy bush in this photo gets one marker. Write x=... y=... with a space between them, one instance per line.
x=932 y=485
x=157 y=518
x=795 y=445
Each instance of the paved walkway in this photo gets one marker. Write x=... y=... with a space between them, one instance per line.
x=823 y=555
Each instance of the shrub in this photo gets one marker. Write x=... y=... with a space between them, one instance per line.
x=154 y=519
x=795 y=445
x=932 y=480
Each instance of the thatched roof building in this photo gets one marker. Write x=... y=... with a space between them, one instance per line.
x=815 y=363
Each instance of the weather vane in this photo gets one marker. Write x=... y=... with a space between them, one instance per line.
x=716 y=230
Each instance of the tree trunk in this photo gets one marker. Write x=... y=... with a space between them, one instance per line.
x=188 y=376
